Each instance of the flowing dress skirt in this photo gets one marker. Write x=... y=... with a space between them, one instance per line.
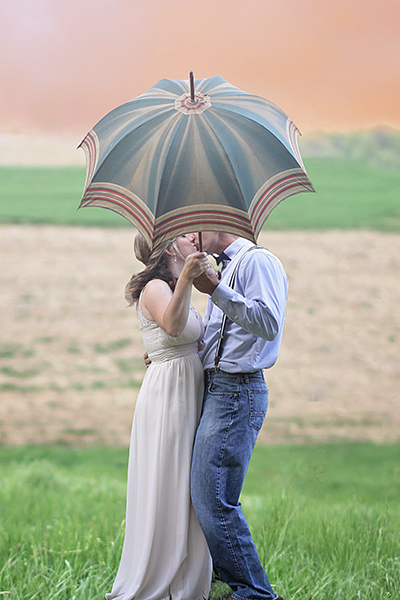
x=165 y=554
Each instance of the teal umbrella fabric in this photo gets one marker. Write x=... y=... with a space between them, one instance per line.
x=171 y=161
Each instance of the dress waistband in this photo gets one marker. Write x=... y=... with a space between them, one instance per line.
x=160 y=356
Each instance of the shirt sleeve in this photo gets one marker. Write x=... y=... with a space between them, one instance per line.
x=258 y=303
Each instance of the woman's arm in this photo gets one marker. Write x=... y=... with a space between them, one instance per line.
x=170 y=310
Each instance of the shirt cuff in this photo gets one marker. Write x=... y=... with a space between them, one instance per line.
x=221 y=295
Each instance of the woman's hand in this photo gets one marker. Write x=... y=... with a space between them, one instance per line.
x=195 y=265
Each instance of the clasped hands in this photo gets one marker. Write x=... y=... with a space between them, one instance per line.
x=207 y=282
x=200 y=271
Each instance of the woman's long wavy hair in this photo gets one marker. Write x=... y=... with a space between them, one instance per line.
x=156 y=266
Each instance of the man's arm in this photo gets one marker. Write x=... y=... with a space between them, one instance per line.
x=259 y=305
x=146 y=359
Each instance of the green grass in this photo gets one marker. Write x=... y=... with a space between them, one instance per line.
x=43 y=195
x=325 y=520
x=350 y=194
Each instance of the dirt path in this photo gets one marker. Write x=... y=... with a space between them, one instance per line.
x=70 y=352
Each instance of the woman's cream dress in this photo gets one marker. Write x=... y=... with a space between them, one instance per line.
x=165 y=554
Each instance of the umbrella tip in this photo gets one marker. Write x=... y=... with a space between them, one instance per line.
x=191 y=77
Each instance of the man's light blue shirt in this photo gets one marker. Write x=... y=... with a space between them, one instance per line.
x=255 y=308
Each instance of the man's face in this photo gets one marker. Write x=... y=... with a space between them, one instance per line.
x=210 y=241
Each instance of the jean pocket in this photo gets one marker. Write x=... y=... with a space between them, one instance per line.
x=258 y=404
x=223 y=387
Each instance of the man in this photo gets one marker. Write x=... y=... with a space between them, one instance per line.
x=235 y=401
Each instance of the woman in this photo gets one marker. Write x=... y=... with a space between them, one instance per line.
x=165 y=554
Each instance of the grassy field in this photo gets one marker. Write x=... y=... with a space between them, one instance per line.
x=349 y=194
x=324 y=519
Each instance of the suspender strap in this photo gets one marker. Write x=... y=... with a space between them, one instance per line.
x=231 y=284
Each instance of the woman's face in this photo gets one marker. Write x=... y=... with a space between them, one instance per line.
x=187 y=244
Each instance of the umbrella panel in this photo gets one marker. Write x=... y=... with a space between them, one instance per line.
x=184 y=162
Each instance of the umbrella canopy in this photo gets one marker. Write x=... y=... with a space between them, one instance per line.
x=171 y=161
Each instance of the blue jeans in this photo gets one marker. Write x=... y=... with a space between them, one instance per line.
x=234 y=408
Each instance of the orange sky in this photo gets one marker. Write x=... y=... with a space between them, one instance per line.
x=327 y=64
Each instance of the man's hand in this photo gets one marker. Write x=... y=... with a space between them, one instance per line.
x=207 y=282
x=146 y=359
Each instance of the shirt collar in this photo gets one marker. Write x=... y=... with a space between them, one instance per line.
x=236 y=246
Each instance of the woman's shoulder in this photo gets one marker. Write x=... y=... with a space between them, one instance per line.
x=155 y=286
x=154 y=291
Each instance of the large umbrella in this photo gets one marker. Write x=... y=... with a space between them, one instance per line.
x=175 y=160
